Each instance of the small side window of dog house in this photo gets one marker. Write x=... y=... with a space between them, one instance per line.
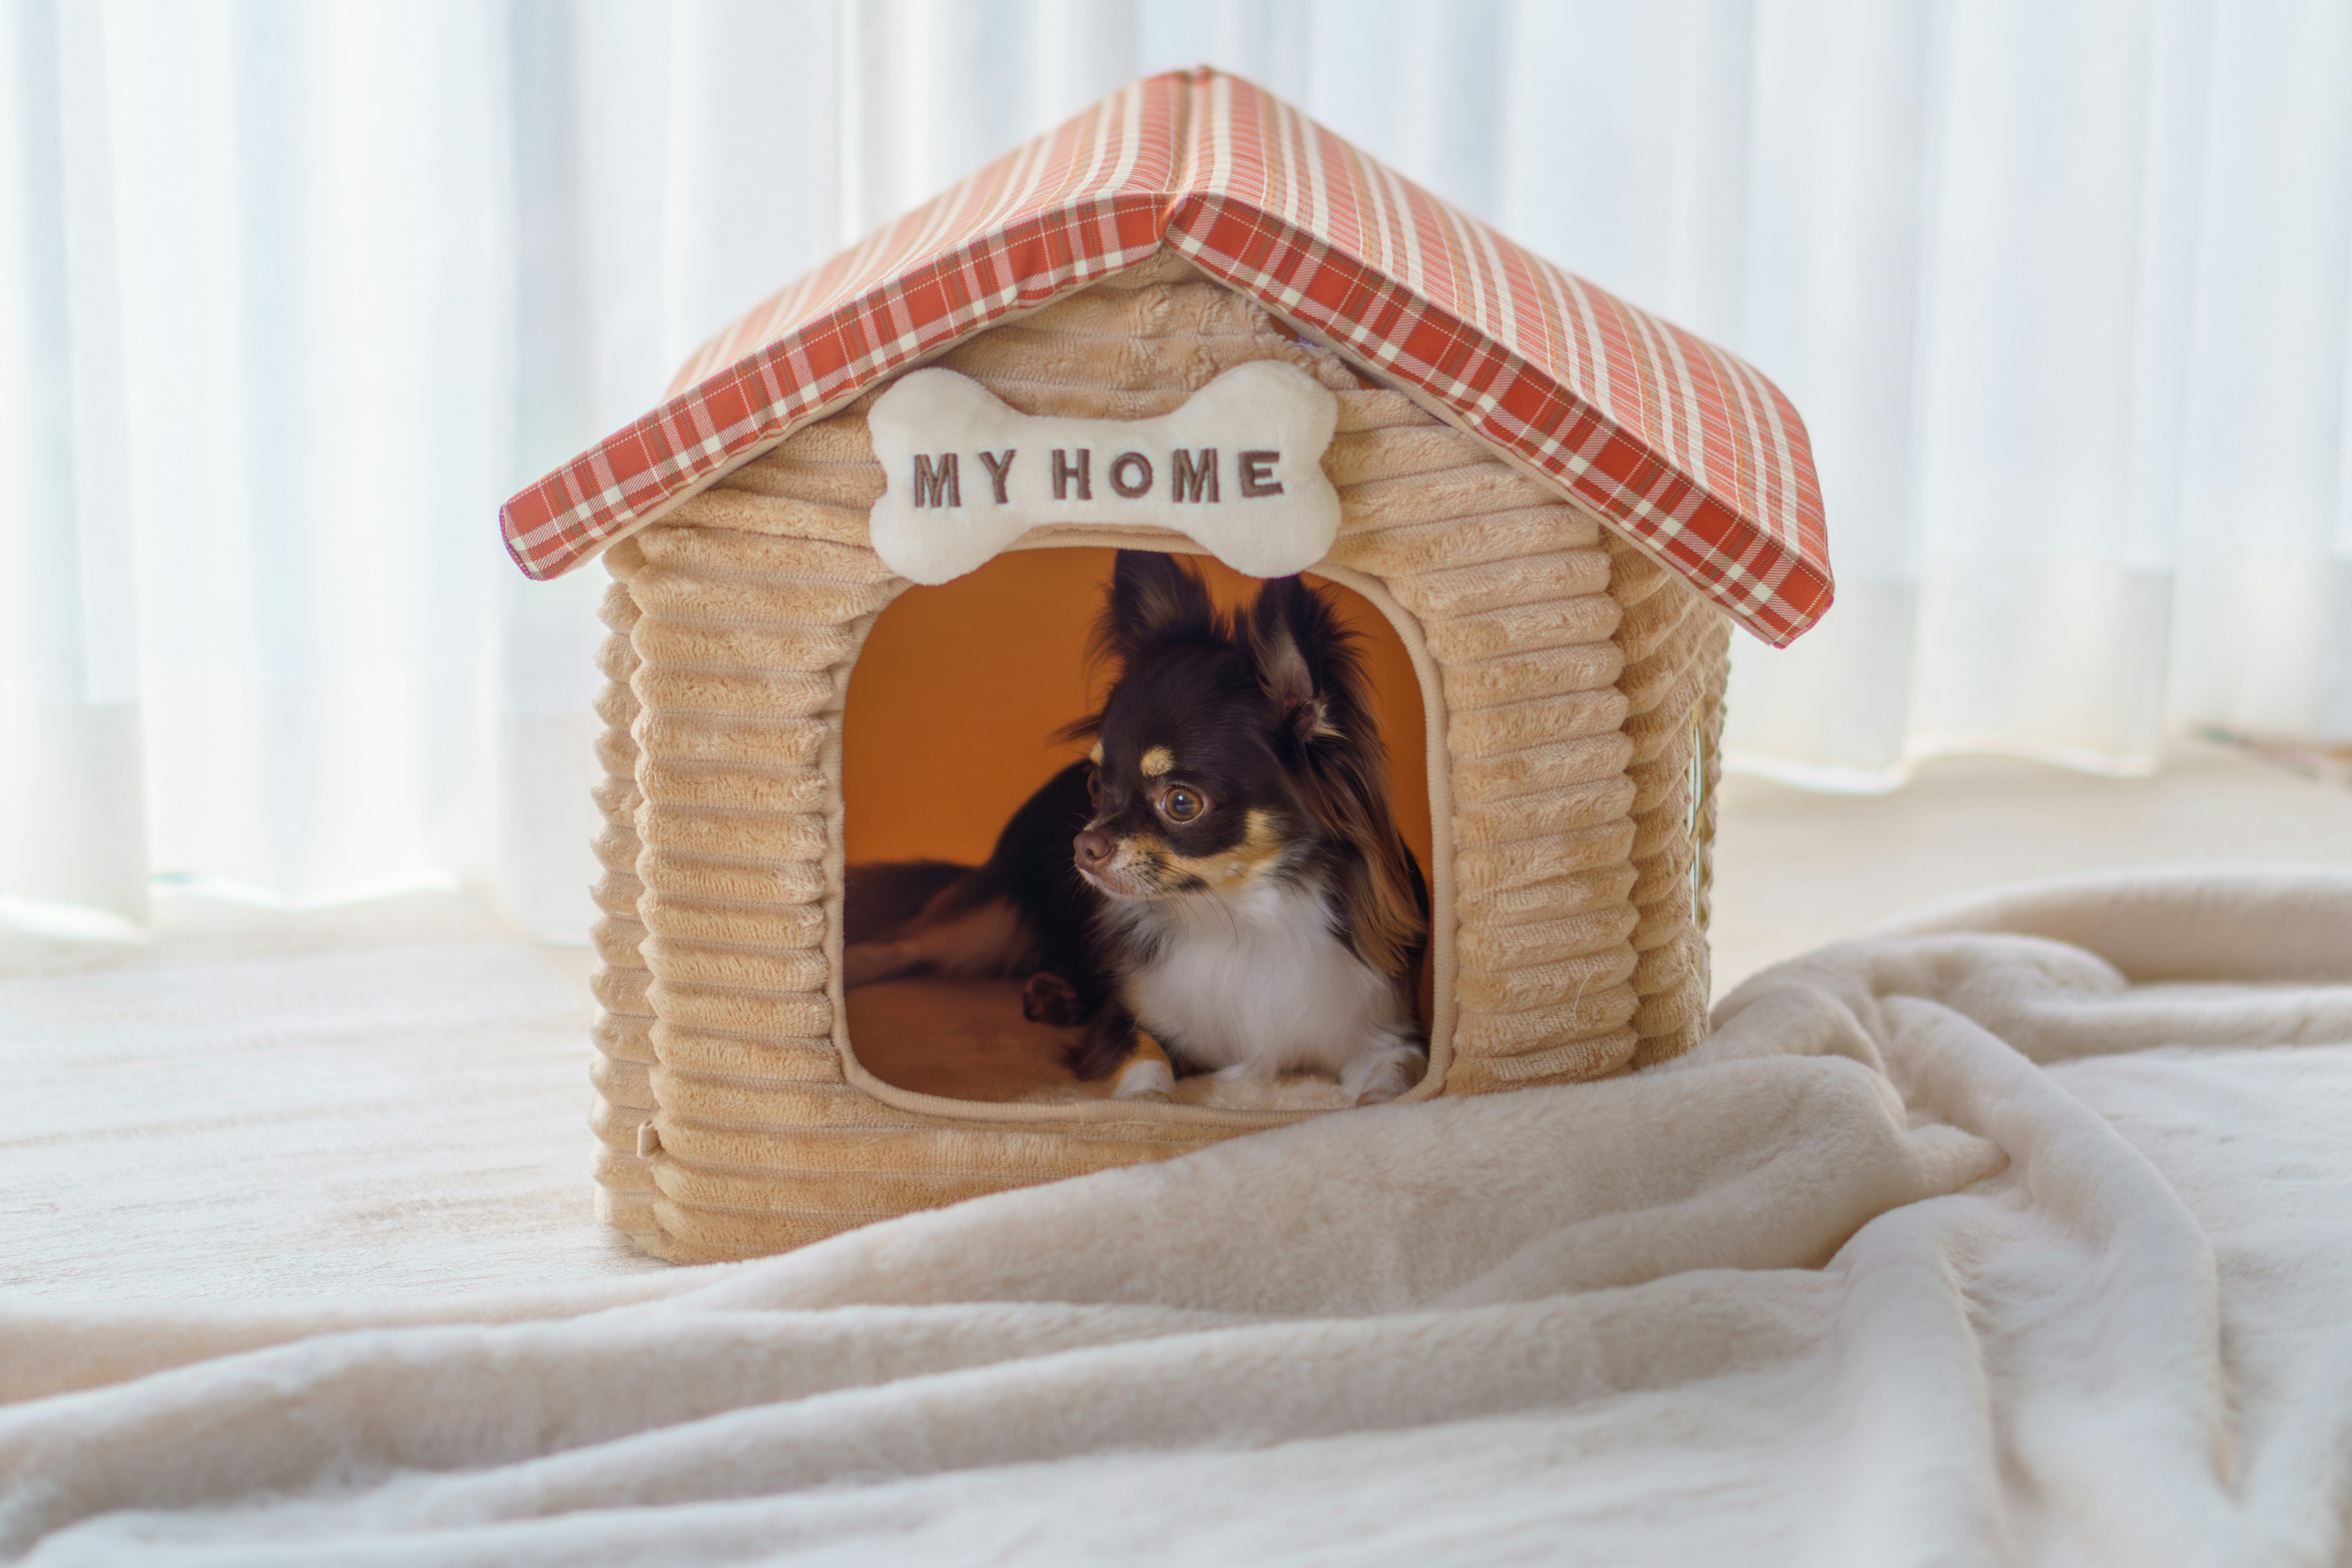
x=960 y=710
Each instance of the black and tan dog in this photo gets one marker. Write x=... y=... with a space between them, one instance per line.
x=1222 y=877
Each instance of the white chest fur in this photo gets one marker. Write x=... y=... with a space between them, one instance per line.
x=1257 y=983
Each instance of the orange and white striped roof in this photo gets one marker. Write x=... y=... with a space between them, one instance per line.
x=1683 y=448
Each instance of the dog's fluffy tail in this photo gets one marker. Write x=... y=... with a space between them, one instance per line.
x=878 y=898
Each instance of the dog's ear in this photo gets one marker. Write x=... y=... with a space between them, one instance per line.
x=1154 y=600
x=1305 y=659
x=1308 y=663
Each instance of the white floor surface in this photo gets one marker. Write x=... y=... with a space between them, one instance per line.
x=392 y=1095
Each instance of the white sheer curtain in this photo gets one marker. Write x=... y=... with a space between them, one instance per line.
x=292 y=295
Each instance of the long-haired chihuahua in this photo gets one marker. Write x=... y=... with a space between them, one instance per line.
x=1222 y=879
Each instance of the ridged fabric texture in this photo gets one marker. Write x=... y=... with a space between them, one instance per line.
x=1686 y=447
x=1580 y=687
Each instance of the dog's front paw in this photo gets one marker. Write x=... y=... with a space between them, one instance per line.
x=1148 y=1075
x=1145 y=1080
x=1383 y=1073
x=1050 y=999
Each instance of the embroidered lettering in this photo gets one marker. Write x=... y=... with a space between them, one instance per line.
x=1178 y=470
x=1186 y=482
x=1257 y=474
x=933 y=483
x=1127 y=463
x=998 y=467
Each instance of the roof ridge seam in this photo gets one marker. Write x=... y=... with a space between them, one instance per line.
x=1181 y=168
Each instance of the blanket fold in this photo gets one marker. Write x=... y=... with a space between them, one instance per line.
x=2022 y=1232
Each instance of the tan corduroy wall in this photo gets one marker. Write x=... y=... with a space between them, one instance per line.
x=1574 y=681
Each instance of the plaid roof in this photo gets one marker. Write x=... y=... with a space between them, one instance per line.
x=1684 y=448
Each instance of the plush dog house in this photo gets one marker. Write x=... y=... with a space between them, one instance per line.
x=1559 y=503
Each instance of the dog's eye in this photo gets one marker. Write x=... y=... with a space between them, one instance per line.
x=1094 y=787
x=1181 y=805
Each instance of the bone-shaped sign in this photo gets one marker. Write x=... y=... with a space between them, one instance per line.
x=1238 y=468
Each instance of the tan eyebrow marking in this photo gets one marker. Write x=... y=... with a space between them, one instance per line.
x=1095 y=755
x=1158 y=761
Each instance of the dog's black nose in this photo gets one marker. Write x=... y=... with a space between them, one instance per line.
x=1094 y=849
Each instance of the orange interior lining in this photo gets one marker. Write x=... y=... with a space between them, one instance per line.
x=955 y=698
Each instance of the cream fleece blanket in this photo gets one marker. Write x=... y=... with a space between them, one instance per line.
x=2022 y=1235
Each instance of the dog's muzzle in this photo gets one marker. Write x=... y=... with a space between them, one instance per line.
x=1106 y=863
